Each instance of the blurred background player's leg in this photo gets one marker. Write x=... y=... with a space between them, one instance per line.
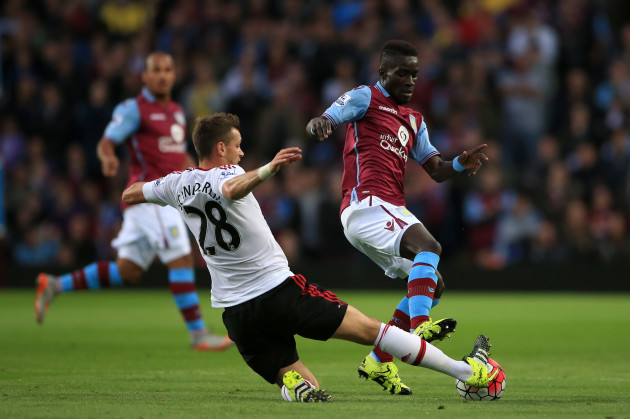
x=138 y=242
x=172 y=246
x=181 y=276
x=104 y=274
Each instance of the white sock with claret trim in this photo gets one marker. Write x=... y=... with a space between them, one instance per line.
x=414 y=350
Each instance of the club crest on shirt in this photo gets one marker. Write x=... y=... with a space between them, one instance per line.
x=343 y=99
x=403 y=135
x=180 y=118
x=404 y=212
x=117 y=119
x=414 y=125
x=174 y=232
x=177 y=133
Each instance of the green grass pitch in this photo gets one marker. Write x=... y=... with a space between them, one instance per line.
x=125 y=354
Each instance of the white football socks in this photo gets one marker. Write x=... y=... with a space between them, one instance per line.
x=413 y=350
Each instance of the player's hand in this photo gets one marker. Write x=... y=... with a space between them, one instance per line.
x=319 y=128
x=473 y=159
x=285 y=157
x=109 y=165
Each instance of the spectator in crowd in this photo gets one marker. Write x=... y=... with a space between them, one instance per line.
x=546 y=247
x=549 y=80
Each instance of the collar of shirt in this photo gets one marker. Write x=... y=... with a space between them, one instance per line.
x=148 y=95
x=380 y=87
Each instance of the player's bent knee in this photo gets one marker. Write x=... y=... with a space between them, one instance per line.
x=424 y=245
x=129 y=271
x=435 y=247
x=132 y=277
x=185 y=261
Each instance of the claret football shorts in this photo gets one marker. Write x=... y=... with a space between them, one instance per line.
x=376 y=227
x=149 y=230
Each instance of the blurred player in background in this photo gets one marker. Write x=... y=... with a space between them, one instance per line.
x=265 y=304
x=382 y=134
x=154 y=129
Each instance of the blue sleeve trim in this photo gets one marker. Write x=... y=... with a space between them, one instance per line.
x=350 y=107
x=422 y=149
x=125 y=121
x=331 y=119
x=427 y=157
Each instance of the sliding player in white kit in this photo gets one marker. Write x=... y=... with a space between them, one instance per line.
x=265 y=303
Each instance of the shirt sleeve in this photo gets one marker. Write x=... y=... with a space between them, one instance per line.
x=222 y=175
x=350 y=107
x=125 y=121
x=422 y=149
x=162 y=191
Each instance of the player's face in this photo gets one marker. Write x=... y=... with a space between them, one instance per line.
x=159 y=76
x=233 y=152
x=398 y=76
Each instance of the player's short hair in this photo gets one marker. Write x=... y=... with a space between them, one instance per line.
x=154 y=54
x=210 y=130
x=397 y=47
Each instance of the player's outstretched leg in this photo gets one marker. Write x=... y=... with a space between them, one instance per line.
x=413 y=350
x=384 y=372
x=301 y=390
x=478 y=360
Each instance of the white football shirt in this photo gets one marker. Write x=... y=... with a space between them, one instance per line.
x=242 y=255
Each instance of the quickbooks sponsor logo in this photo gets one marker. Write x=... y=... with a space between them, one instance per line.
x=389 y=143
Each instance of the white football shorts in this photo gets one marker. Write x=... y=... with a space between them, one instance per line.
x=376 y=227
x=149 y=230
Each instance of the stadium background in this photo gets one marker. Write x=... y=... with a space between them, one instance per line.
x=545 y=83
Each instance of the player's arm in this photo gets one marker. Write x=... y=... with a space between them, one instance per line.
x=469 y=162
x=133 y=194
x=239 y=186
x=105 y=150
x=350 y=107
x=125 y=121
x=159 y=191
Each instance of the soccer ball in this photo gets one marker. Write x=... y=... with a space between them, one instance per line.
x=493 y=392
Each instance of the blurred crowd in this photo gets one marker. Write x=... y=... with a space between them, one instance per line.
x=546 y=84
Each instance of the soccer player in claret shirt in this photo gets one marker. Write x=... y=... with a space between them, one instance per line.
x=382 y=134
x=154 y=129
x=265 y=304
